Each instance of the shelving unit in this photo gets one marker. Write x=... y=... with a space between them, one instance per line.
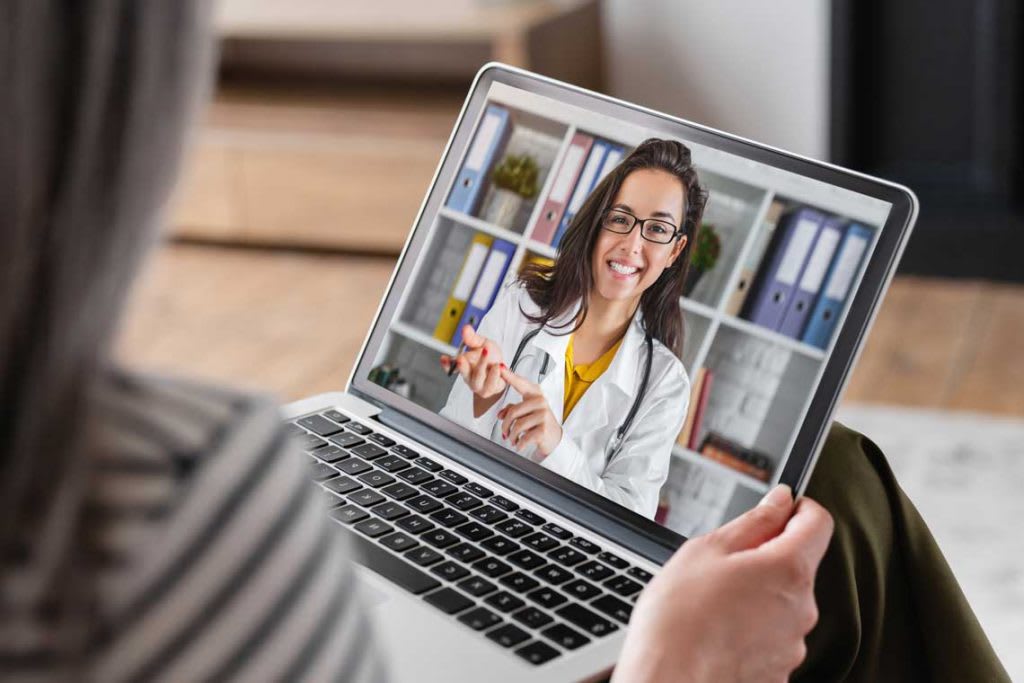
x=741 y=194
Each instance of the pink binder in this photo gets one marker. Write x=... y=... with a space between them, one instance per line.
x=551 y=215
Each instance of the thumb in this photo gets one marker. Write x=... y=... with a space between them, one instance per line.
x=760 y=524
x=472 y=339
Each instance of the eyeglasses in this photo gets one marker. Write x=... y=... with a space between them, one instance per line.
x=651 y=229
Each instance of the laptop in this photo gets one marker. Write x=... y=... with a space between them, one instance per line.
x=479 y=562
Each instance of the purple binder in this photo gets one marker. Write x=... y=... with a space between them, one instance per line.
x=811 y=278
x=785 y=260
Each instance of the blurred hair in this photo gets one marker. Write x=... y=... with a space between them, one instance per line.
x=95 y=97
x=556 y=288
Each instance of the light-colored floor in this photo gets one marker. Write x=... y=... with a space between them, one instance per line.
x=292 y=324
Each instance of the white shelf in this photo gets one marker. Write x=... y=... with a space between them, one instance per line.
x=499 y=232
x=696 y=307
x=699 y=460
x=410 y=332
x=782 y=340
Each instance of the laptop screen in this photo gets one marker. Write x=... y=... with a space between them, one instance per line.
x=569 y=300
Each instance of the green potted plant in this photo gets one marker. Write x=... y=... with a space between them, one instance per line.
x=514 y=181
x=706 y=251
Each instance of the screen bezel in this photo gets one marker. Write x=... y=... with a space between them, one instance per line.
x=810 y=437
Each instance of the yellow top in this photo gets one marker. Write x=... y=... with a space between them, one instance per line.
x=578 y=378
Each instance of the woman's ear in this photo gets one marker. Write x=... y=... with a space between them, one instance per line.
x=678 y=249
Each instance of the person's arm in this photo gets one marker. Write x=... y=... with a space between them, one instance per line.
x=735 y=605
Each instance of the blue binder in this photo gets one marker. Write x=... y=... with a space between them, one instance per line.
x=586 y=182
x=485 y=291
x=470 y=181
x=785 y=260
x=811 y=279
x=838 y=285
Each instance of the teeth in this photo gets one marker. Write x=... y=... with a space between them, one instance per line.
x=619 y=268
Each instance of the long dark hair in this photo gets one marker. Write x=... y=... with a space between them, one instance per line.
x=557 y=288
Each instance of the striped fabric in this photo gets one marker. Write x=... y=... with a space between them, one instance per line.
x=219 y=561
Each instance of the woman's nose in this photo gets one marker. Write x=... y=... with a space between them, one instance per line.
x=634 y=242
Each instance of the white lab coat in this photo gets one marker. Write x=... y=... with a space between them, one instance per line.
x=634 y=476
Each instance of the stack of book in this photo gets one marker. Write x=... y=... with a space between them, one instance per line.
x=699 y=391
x=733 y=455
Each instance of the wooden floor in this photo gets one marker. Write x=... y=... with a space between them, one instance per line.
x=292 y=324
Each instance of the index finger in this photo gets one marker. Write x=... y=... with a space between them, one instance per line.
x=523 y=386
x=807 y=533
x=471 y=338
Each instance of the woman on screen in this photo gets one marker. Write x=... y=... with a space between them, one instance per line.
x=577 y=365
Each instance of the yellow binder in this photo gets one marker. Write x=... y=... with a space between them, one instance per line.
x=452 y=313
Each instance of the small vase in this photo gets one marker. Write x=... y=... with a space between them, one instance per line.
x=502 y=207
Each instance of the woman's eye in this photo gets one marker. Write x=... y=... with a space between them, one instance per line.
x=619 y=220
x=658 y=228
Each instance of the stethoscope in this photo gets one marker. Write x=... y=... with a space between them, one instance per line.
x=624 y=427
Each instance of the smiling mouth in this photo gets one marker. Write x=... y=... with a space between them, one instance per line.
x=623 y=269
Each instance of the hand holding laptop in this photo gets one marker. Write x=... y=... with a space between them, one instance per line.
x=735 y=604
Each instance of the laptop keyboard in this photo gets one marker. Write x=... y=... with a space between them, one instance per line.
x=498 y=568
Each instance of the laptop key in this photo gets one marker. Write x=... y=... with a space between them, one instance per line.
x=448 y=600
x=612 y=560
x=557 y=531
x=531 y=517
x=508 y=635
x=360 y=429
x=381 y=440
x=391 y=463
x=480 y=619
x=613 y=607
x=622 y=585
x=423 y=504
x=330 y=454
x=439 y=538
x=478 y=490
x=353 y=466
x=405 y=452
x=322 y=472
x=428 y=464
x=562 y=635
x=590 y=622
x=553 y=574
x=376 y=479
x=391 y=567
x=309 y=441
x=439 y=488
x=320 y=426
x=342 y=485
x=330 y=499
x=389 y=511
x=477 y=586
x=537 y=653
x=349 y=514
x=365 y=497
x=465 y=552
x=585 y=545
x=566 y=556
x=347 y=440
x=368 y=451
x=463 y=501
x=595 y=571
x=519 y=582
x=548 y=598
x=415 y=476
x=448 y=517
x=582 y=590
x=540 y=542
x=293 y=429
x=449 y=570
x=453 y=477
x=399 y=542
x=492 y=567
x=504 y=601
x=414 y=524
x=489 y=514
x=336 y=416
x=399 y=491
x=424 y=556
x=641 y=575
x=504 y=503
x=531 y=617
x=474 y=531
x=526 y=559
x=373 y=527
x=514 y=528
x=499 y=545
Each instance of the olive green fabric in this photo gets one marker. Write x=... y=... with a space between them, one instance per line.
x=890 y=607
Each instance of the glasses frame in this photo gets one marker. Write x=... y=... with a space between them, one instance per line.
x=676 y=232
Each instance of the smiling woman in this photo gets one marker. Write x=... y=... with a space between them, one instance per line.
x=593 y=343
